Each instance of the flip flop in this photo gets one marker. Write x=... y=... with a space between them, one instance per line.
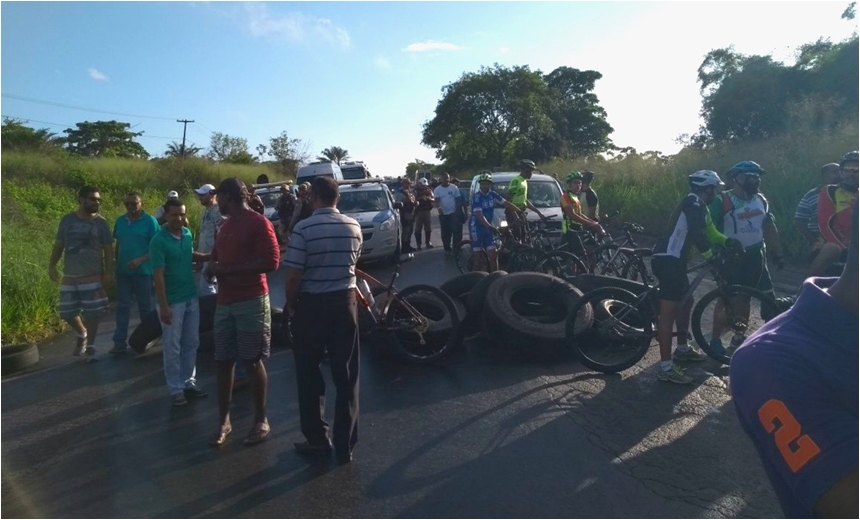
x=221 y=437
x=257 y=434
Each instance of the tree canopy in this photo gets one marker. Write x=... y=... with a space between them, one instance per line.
x=491 y=117
x=230 y=149
x=104 y=139
x=18 y=137
x=335 y=154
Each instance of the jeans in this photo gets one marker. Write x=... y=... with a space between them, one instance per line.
x=452 y=228
x=137 y=287
x=179 y=341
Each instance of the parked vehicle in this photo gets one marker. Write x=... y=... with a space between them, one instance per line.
x=544 y=193
x=371 y=203
x=317 y=169
x=354 y=170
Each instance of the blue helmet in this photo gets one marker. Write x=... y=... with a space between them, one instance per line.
x=745 y=167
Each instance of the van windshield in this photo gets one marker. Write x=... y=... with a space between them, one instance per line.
x=362 y=201
x=352 y=173
x=310 y=178
x=543 y=194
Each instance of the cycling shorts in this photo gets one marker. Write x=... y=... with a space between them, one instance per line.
x=671 y=272
x=481 y=237
x=750 y=271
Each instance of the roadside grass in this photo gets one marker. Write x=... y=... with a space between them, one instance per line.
x=37 y=190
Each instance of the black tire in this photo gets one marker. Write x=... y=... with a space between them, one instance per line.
x=17 y=358
x=561 y=264
x=527 y=312
x=637 y=272
x=589 y=282
x=464 y=256
x=460 y=286
x=281 y=335
x=441 y=336
x=475 y=300
x=524 y=259
x=762 y=308
x=146 y=334
x=604 y=264
x=605 y=346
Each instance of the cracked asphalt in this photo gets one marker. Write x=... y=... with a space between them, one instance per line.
x=483 y=436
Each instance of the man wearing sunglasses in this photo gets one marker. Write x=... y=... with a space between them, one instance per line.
x=133 y=232
x=84 y=241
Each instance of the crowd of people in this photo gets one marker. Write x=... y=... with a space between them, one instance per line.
x=793 y=382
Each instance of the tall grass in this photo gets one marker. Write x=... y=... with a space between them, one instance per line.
x=37 y=190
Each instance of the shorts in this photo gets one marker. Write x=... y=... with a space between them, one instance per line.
x=243 y=330
x=88 y=300
x=671 y=272
x=573 y=244
x=481 y=237
x=750 y=271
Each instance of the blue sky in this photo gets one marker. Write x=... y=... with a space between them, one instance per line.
x=366 y=76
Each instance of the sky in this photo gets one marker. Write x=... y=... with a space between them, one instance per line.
x=366 y=76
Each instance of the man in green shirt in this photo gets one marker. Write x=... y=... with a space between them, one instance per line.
x=172 y=255
x=518 y=195
x=133 y=232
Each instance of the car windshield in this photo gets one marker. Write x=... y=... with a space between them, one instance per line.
x=270 y=198
x=353 y=173
x=362 y=201
x=543 y=194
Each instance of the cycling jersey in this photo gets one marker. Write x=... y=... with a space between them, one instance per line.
x=835 y=210
x=588 y=199
x=484 y=203
x=519 y=190
x=570 y=199
x=691 y=225
x=741 y=219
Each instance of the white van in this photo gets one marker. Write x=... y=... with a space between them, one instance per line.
x=319 y=169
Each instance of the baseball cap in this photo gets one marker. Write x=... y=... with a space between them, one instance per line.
x=205 y=189
x=172 y=194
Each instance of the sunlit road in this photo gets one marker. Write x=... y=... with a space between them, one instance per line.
x=484 y=436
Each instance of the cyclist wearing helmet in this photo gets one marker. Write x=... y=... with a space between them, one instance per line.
x=691 y=225
x=518 y=195
x=835 y=209
x=588 y=198
x=481 y=230
x=424 y=198
x=573 y=218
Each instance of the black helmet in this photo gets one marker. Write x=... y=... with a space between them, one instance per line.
x=587 y=176
x=527 y=163
x=849 y=157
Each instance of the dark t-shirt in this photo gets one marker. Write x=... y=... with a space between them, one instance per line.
x=794 y=385
x=242 y=240
x=83 y=244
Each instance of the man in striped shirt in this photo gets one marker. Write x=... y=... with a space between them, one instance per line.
x=321 y=303
x=806 y=216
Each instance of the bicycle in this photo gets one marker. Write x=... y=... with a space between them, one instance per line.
x=625 y=323
x=421 y=321
x=513 y=254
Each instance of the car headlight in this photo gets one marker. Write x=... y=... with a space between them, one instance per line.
x=388 y=224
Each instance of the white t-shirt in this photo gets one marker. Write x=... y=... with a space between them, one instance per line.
x=447 y=197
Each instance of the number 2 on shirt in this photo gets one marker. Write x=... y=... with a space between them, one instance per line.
x=786 y=433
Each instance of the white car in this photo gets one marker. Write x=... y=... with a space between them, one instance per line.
x=371 y=204
x=544 y=193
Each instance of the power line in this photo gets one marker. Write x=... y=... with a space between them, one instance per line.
x=73 y=107
x=26 y=120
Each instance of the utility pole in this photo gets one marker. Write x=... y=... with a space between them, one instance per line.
x=184 y=127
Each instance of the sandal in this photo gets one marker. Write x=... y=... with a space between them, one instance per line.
x=221 y=437
x=258 y=433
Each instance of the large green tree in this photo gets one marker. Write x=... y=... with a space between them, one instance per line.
x=288 y=152
x=229 y=149
x=491 y=117
x=16 y=136
x=175 y=149
x=104 y=139
x=335 y=154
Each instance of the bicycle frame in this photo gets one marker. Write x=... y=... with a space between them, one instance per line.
x=392 y=294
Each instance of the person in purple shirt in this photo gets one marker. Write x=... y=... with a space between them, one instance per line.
x=795 y=390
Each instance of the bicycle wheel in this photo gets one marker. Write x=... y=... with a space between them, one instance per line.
x=729 y=306
x=523 y=259
x=561 y=264
x=619 y=335
x=607 y=261
x=430 y=332
x=464 y=256
x=636 y=270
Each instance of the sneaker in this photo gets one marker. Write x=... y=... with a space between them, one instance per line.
x=118 y=349
x=430 y=246
x=179 y=399
x=80 y=346
x=91 y=354
x=195 y=392
x=674 y=375
x=692 y=354
x=717 y=347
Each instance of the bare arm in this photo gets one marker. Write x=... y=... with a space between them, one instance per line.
x=771 y=237
x=109 y=262
x=161 y=294
x=801 y=226
x=196 y=256
x=293 y=286
x=56 y=254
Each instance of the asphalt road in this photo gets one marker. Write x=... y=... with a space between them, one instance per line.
x=484 y=436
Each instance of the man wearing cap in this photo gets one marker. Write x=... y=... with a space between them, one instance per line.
x=159 y=212
x=246 y=248
x=320 y=290
x=518 y=195
x=425 y=200
x=209 y=222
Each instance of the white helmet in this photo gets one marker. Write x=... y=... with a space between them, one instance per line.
x=705 y=178
x=423 y=182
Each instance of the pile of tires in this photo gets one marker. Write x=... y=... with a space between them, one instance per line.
x=525 y=313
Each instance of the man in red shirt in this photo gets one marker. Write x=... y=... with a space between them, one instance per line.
x=246 y=248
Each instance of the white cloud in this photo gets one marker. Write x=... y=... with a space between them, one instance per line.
x=504 y=50
x=293 y=27
x=382 y=63
x=431 y=46
x=97 y=75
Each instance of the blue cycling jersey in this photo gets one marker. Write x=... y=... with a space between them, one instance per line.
x=486 y=202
